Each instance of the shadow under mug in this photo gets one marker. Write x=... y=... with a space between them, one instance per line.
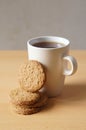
x=53 y=53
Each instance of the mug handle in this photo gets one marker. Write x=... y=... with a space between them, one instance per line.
x=73 y=65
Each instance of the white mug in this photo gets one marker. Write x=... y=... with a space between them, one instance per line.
x=54 y=56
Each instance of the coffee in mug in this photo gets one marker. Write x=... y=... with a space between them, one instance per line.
x=53 y=53
x=48 y=44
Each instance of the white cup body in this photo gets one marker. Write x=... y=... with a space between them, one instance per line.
x=52 y=59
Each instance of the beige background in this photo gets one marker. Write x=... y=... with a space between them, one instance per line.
x=21 y=20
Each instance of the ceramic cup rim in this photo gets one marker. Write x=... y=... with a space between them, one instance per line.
x=57 y=39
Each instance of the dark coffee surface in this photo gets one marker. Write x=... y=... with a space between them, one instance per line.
x=48 y=45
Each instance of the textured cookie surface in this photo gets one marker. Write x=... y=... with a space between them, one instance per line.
x=41 y=102
x=31 y=76
x=20 y=97
x=24 y=110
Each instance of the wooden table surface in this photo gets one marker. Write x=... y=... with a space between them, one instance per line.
x=66 y=112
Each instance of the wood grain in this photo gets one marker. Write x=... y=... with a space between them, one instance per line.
x=66 y=112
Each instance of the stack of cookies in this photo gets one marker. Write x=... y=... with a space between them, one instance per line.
x=27 y=99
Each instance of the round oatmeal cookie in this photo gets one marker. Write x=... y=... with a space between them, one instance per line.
x=41 y=102
x=31 y=76
x=24 y=110
x=20 y=97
